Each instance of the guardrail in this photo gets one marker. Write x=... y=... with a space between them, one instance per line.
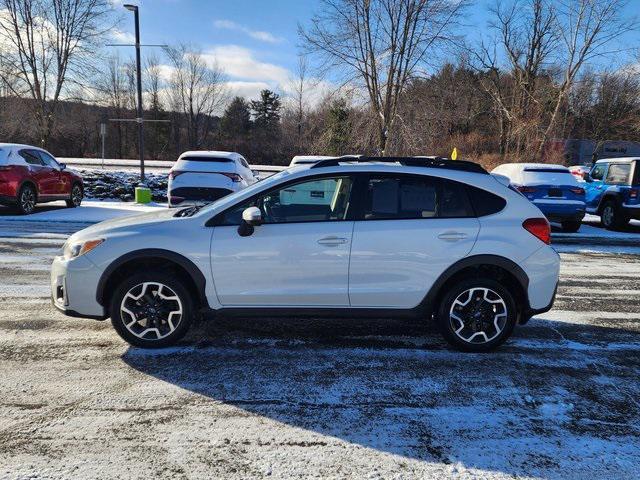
x=151 y=165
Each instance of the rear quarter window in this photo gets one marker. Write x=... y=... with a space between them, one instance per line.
x=485 y=203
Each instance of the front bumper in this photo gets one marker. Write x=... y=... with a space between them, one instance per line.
x=74 y=283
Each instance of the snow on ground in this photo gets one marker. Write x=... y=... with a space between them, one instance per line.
x=342 y=398
x=91 y=211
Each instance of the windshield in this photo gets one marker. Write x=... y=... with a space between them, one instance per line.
x=246 y=192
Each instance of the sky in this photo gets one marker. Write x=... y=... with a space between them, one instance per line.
x=254 y=41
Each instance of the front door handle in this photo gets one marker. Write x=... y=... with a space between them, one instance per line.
x=332 y=241
x=452 y=236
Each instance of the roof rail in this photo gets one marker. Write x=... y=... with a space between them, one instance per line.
x=430 y=162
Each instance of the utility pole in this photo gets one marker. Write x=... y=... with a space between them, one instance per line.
x=139 y=118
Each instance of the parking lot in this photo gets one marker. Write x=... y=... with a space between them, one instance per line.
x=320 y=399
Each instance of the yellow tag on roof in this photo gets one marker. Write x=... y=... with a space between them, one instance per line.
x=454 y=154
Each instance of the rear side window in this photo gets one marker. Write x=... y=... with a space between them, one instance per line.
x=415 y=197
x=244 y=163
x=485 y=203
x=208 y=159
x=31 y=157
x=619 y=173
x=48 y=160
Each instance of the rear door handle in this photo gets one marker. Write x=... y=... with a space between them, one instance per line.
x=332 y=241
x=452 y=236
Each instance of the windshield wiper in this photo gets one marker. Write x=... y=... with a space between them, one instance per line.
x=189 y=211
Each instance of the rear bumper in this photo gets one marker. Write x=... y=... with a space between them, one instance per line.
x=543 y=270
x=631 y=211
x=559 y=211
x=186 y=195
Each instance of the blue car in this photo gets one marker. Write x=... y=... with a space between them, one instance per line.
x=551 y=188
x=613 y=191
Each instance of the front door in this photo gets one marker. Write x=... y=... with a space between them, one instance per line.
x=298 y=257
x=594 y=188
x=412 y=228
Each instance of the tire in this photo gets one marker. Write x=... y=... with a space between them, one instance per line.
x=612 y=217
x=463 y=296
x=27 y=199
x=571 y=227
x=75 y=197
x=144 y=285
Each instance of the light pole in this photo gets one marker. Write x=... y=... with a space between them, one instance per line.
x=134 y=9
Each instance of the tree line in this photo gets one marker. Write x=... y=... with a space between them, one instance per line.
x=407 y=82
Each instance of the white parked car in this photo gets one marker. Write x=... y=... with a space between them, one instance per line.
x=206 y=176
x=432 y=239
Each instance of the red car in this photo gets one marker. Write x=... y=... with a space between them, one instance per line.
x=30 y=175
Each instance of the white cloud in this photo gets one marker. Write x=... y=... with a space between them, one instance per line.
x=123 y=37
x=246 y=89
x=239 y=63
x=256 y=34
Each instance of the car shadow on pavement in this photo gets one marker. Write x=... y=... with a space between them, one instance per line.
x=395 y=387
x=10 y=212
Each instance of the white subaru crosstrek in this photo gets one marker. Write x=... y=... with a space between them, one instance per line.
x=425 y=237
x=207 y=175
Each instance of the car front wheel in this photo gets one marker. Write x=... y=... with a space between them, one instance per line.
x=477 y=315
x=151 y=310
x=75 y=198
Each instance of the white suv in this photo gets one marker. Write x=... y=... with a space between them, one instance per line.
x=205 y=176
x=428 y=238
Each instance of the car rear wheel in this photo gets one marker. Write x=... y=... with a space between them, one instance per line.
x=27 y=198
x=612 y=217
x=477 y=315
x=75 y=198
x=151 y=310
x=571 y=227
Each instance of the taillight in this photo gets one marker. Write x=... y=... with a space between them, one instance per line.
x=523 y=189
x=577 y=190
x=233 y=176
x=175 y=173
x=539 y=228
x=633 y=193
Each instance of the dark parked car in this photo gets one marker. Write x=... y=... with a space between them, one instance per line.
x=30 y=175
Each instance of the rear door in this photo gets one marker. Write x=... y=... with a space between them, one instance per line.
x=409 y=230
x=596 y=187
x=299 y=256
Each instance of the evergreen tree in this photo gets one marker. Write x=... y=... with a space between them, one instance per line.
x=266 y=111
x=338 y=128
x=236 y=120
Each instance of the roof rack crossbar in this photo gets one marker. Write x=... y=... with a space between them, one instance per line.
x=431 y=162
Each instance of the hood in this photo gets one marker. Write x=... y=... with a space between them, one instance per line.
x=123 y=224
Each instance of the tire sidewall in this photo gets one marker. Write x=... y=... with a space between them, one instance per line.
x=71 y=203
x=445 y=307
x=612 y=224
x=19 y=207
x=170 y=281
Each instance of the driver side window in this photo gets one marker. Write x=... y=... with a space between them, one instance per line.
x=598 y=172
x=317 y=200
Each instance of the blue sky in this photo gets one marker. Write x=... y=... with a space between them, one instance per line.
x=255 y=41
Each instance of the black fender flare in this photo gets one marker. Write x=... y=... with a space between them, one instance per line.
x=606 y=196
x=155 y=253
x=475 y=261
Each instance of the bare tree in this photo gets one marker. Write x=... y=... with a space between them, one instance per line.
x=196 y=89
x=587 y=29
x=45 y=43
x=382 y=43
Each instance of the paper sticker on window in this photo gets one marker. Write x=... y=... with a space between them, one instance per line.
x=316 y=194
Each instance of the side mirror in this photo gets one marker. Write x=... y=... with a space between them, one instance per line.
x=586 y=177
x=251 y=218
x=63 y=166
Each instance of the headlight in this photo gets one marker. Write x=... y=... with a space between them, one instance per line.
x=75 y=249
